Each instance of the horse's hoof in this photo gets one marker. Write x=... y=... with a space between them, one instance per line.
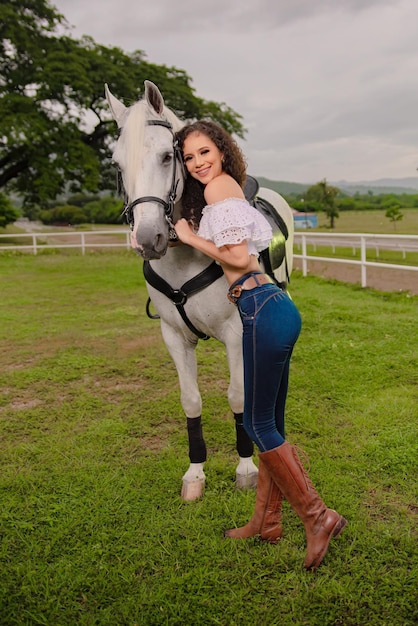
x=246 y=481
x=192 y=489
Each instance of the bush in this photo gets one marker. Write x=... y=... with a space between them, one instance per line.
x=104 y=211
x=81 y=199
x=8 y=214
x=63 y=215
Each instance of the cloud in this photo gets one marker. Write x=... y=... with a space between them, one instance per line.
x=166 y=16
x=322 y=85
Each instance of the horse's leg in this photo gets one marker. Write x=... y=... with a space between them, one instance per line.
x=183 y=353
x=246 y=473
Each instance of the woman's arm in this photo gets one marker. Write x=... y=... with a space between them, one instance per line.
x=234 y=256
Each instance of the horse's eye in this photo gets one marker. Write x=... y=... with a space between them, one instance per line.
x=167 y=158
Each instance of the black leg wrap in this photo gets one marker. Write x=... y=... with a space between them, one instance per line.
x=245 y=446
x=197 y=446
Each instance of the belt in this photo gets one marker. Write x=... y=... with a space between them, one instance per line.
x=256 y=280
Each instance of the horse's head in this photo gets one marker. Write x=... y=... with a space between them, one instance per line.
x=151 y=167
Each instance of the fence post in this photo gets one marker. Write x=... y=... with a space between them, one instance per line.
x=363 y=262
x=83 y=248
x=304 y=261
x=128 y=240
x=34 y=243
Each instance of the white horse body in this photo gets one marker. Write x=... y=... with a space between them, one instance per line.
x=146 y=158
x=214 y=315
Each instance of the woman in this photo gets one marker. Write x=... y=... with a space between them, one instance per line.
x=221 y=224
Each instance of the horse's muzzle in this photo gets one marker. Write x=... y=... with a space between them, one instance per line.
x=149 y=254
x=152 y=247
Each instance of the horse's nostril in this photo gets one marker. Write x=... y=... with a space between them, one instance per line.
x=160 y=243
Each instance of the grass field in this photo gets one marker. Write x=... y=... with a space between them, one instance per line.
x=347 y=222
x=371 y=222
x=93 y=445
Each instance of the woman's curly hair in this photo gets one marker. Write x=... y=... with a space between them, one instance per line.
x=233 y=164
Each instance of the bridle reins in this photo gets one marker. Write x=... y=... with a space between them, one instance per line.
x=168 y=205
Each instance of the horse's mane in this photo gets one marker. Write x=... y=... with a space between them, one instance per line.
x=132 y=138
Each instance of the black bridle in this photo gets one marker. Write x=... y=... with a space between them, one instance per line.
x=128 y=209
x=204 y=278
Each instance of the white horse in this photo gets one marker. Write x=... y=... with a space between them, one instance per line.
x=186 y=288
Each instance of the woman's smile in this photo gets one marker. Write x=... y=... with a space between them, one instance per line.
x=203 y=172
x=202 y=157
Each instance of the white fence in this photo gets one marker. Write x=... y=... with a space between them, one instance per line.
x=403 y=243
x=112 y=238
x=71 y=239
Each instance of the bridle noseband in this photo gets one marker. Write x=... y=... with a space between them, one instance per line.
x=128 y=209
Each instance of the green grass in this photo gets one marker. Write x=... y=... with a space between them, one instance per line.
x=371 y=222
x=93 y=446
x=366 y=222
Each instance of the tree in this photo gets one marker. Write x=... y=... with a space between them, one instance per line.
x=56 y=132
x=394 y=214
x=324 y=196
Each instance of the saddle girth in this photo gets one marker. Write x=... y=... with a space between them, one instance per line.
x=179 y=296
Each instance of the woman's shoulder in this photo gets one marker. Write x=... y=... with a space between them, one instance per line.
x=232 y=212
x=221 y=188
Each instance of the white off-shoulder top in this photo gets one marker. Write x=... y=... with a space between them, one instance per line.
x=232 y=221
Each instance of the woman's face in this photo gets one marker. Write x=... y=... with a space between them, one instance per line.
x=202 y=157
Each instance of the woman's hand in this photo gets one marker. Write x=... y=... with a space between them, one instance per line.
x=184 y=230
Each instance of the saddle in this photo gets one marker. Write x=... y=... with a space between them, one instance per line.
x=273 y=256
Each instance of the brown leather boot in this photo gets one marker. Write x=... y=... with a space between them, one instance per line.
x=268 y=505
x=321 y=523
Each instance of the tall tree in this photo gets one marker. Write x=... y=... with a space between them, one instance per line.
x=324 y=196
x=55 y=128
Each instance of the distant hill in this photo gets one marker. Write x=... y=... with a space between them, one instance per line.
x=282 y=187
x=380 y=186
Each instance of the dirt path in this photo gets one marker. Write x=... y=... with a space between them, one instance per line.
x=383 y=279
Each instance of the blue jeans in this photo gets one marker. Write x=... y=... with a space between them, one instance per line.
x=271 y=326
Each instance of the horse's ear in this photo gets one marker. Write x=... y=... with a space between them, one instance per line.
x=117 y=108
x=154 y=97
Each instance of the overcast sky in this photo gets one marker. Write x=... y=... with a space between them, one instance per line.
x=327 y=88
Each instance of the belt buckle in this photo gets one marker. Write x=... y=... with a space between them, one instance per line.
x=234 y=293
